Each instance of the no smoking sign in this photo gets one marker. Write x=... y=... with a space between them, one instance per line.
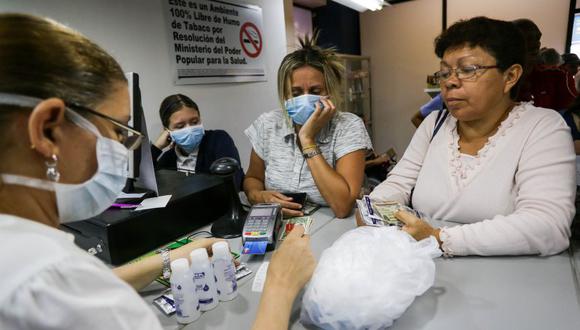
x=251 y=39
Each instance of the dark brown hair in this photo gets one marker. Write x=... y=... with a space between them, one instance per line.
x=172 y=104
x=500 y=39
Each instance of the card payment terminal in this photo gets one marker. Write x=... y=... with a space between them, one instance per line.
x=261 y=227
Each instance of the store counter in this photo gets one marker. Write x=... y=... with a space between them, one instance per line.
x=469 y=292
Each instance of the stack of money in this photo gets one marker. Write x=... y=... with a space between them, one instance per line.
x=288 y=225
x=379 y=214
x=387 y=211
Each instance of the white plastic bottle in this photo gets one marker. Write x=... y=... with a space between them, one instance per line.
x=225 y=272
x=205 y=283
x=187 y=307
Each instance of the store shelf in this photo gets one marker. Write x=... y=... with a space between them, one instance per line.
x=356 y=88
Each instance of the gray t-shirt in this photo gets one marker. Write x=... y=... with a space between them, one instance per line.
x=274 y=141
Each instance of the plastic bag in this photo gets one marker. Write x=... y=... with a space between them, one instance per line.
x=368 y=278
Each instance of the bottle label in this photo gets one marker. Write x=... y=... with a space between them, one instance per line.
x=226 y=274
x=206 y=301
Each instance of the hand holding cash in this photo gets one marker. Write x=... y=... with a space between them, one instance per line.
x=382 y=213
x=288 y=225
x=417 y=227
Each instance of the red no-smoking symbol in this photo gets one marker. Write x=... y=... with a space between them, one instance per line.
x=251 y=39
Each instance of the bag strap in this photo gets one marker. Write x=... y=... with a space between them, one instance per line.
x=441 y=116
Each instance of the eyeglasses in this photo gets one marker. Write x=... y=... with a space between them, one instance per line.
x=129 y=137
x=464 y=72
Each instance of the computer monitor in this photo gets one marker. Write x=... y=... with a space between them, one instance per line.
x=135 y=121
x=141 y=170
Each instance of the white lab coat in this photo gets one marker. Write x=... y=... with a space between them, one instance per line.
x=47 y=282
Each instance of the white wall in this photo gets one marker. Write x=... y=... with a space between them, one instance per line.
x=399 y=40
x=134 y=32
x=551 y=16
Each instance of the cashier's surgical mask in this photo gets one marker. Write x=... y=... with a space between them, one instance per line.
x=188 y=138
x=92 y=197
x=300 y=108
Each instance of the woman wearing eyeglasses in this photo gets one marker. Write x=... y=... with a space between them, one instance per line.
x=64 y=146
x=503 y=171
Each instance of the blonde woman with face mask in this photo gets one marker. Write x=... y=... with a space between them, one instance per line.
x=308 y=146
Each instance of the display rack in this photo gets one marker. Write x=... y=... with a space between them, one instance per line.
x=356 y=88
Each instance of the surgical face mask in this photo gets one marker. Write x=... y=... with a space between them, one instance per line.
x=300 y=108
x=188 y=138
x=92 y=197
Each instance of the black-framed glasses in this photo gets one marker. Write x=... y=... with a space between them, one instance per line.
x=130 y=137
x=463 y=72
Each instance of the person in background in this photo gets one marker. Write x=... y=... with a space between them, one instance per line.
x=435 y=103
x=549 y=58
x=532 y=36
x=503 y=171
x=572 y=118
x=571 y=65
x=307 y=146
x=547 y=87
x=64 y=108
x=192 y=149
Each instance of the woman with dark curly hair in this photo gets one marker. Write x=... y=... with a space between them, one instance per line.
x=502 y=170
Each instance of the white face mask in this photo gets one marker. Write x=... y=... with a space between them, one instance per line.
x=92 y=197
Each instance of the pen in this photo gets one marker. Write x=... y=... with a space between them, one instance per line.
x=124 y=206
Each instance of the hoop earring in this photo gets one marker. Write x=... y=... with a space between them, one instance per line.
x=52 y=173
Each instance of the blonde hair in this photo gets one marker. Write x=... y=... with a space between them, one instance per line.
x=321 y=59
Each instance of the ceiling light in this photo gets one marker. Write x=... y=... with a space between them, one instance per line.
x=363 y=5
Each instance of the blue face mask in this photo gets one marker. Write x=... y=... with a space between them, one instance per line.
x=188 y=138
x=300 y=108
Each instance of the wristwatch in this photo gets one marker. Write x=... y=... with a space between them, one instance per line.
x=166 y=262
x=311 y=153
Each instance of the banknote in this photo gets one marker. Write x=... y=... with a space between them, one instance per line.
x=288 y=225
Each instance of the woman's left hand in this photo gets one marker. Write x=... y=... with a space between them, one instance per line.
x=416 y=227
x=322 y=114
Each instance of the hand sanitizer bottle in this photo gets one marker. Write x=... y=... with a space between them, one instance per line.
x=183 y=289
x=204 y=279
x=225 y=272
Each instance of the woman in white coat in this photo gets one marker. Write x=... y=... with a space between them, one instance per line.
x=64 y=144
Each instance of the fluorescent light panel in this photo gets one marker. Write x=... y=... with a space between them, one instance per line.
x=363 y=5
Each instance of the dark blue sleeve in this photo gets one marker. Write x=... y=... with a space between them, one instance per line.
x=569 y=118
x=225 y=147
x=163 y=160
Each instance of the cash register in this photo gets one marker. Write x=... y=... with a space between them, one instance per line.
x=119 y=235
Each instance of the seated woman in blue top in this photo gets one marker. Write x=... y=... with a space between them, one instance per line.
x=192 y=148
